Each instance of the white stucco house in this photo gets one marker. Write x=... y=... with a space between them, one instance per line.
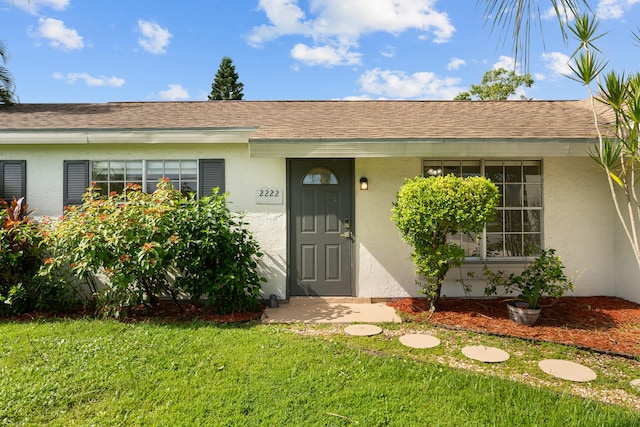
x=299 y=168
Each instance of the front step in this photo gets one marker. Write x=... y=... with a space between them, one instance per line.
x=333 y=300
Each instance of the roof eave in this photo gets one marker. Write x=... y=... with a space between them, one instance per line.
x=428 y=147
x=127 y=136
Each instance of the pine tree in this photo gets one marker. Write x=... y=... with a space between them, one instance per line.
x=226 y=84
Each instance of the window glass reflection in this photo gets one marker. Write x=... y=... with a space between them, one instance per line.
x=320 y=176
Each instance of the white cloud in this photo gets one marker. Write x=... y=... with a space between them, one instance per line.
x=58 y=35
x=521 y=93
x=388 y=52
x=614 y=9
x=557 y=62
x=506 y=62
x=175 y=93
x=33 y=6
x=396 y=84
x=325 y=55
x=456 y=63
x=155 y=39
x=286 y=18
x=551 y=14
x=358 y=98
x=606 y=9
x=340 y=24
x=89 y=80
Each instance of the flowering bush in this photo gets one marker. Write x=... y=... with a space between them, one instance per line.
x=152 y=245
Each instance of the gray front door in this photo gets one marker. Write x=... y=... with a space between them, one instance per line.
x=320 y=227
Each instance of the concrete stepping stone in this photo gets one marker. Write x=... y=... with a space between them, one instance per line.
x=419 y=341
x=567 y=370
x=363 y=330
x=485 y=354
x=635 y=383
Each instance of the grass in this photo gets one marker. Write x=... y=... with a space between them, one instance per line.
x=93 y=372
x=614 y=373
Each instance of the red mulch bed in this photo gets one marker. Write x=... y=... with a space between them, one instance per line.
x=165 y=311
x=187 y=312
x=605 y=324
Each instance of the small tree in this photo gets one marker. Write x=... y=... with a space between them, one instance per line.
x=428 y=210
x=496 y=85
x=226 y=84
x=618 y=148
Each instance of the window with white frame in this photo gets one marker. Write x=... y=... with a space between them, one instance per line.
x=516 y=231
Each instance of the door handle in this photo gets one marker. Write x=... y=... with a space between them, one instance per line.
x=346 y=234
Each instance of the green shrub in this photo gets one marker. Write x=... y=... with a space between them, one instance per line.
x=428 y=210
x=21 y=287
x=544 y=276
x=217 y=256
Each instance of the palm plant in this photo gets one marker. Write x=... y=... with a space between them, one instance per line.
x=515 y=19
x=6 y=79
x=617 y=150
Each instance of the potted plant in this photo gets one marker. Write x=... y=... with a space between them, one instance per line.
x=544 y=276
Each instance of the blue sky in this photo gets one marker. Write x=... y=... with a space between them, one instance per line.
x=155 y=50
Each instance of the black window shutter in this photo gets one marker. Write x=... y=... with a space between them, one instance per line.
x=211 y=176
x=76 y=181
x=13 y=179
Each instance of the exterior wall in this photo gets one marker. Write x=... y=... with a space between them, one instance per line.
x=383 y=267
x=578 y=223
x=243 y=176
x=579 y=220
x=626 y=266
x=627 y=272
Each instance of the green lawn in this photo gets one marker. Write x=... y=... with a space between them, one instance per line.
x=92 y=372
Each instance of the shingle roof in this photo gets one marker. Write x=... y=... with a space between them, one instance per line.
x=309 y=120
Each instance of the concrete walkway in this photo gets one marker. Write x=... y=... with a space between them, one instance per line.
x=331 y=310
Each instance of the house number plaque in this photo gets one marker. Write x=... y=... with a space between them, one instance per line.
x=269 y=196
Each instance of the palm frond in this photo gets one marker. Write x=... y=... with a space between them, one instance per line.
x=7 y=87
x=515 y=19
x=636 y=36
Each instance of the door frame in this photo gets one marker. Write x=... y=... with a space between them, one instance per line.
x=291 y=221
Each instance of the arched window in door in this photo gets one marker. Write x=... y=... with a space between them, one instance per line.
x=320 y=175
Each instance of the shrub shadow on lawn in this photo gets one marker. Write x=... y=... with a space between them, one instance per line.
x=187 y=314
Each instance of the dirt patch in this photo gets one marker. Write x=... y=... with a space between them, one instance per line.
x=601 y=323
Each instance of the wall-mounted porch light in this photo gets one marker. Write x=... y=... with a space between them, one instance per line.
x=364 y=184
